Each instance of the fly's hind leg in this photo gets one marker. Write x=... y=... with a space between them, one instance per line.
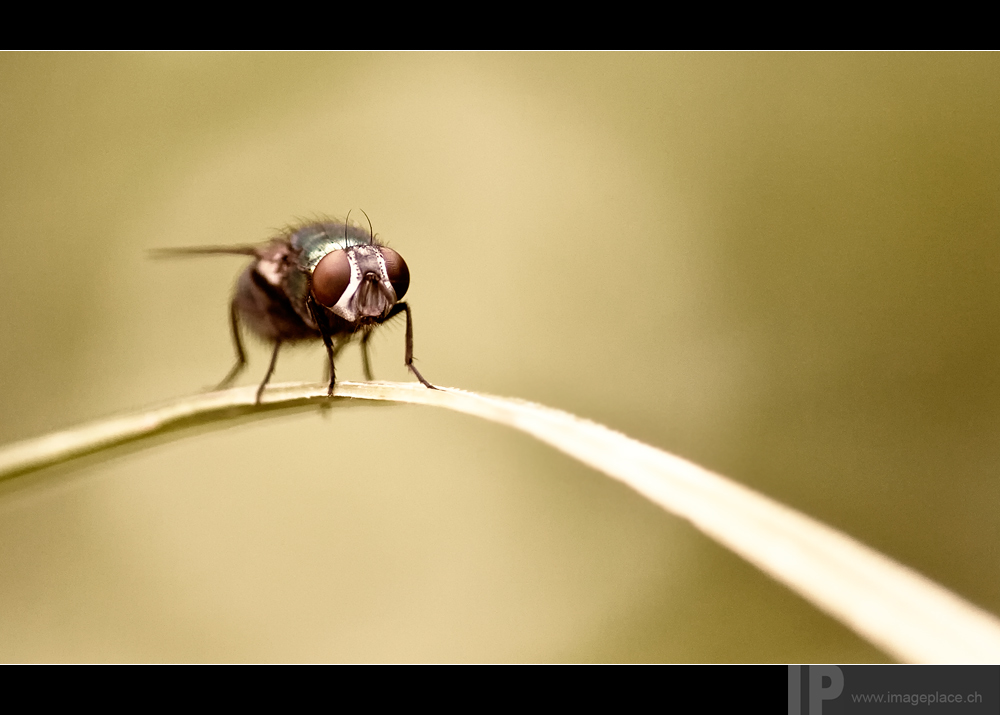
x=270 y=371
x=241 y=356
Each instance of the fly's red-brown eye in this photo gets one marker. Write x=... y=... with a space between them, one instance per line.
x=331 y=277
x=399 y=274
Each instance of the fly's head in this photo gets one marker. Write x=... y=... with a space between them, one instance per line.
x=360 y=284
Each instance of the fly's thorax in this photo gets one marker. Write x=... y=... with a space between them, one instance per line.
x=312 y=242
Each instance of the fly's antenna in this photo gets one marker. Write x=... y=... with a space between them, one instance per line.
x=371 y=231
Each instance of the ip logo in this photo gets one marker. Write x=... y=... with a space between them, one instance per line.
x=825 y=682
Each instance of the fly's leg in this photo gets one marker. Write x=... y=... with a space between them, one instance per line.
x=396 y=310
x=314 y=309
x=365 y=361
x=337 y=347
x=241 y=356
x=270 y=371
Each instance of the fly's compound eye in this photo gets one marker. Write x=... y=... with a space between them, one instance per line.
x=330 y=278
x=399 y=274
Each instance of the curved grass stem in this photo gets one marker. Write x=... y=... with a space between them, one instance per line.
x=907 y=615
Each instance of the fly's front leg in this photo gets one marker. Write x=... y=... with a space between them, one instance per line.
x=409 y=344
x=337 y=347
x=270 y=371
x=315 y=309
x=241 y=356
x=365 y=361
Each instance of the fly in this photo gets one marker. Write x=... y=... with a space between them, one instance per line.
x=326 y=280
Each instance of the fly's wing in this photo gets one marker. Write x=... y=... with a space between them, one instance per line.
x=250 y=249
x=271 y=272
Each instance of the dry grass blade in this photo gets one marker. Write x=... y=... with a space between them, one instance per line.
x=892 y=606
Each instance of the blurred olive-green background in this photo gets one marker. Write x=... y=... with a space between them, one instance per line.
x=781 y=266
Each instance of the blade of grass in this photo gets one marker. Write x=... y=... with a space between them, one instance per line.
x=897 y=609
